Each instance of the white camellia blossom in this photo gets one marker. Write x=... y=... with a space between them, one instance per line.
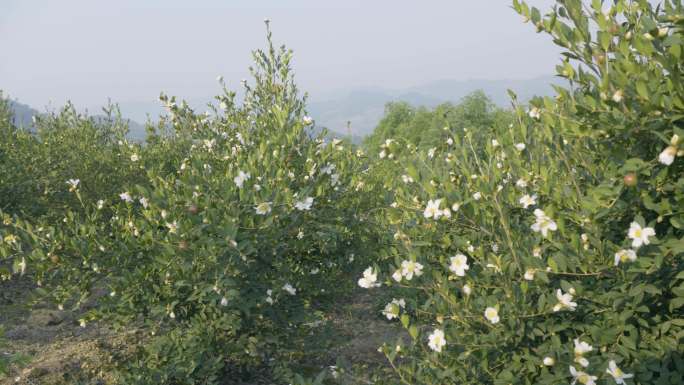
x=126 y=197
x=459 y=264
x=369 y=279
x=582 y=377
x=492 y=315
x=436 y=340
x=263 y=208
x=411 y=268
x=639 y=235
x=393 y=308
x=305 y=204
x=564 y=301
x=625 y=255
x=520 y=146
x=667 y=157
x=528 y=200
x=549 y=361
x=290 y=289
x=241 y=178
x=543 y=223
x=529 y=274
x=432 y=209
x=581 y=348
x=618 y=375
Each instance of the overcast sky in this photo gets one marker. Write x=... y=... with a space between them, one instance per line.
x=130 y=50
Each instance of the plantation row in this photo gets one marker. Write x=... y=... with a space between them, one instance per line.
x=540 y=244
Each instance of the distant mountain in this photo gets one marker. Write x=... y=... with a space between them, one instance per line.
x=364 y=108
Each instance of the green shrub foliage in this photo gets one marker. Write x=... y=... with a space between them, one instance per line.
x=550 y=250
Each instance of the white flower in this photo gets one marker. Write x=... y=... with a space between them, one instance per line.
x=135 y=158
x=625 y=255
x=639 y=235
x=492 y=315
x=528 y=200
x=543 y=223
x=582 y=377
x=455 y=207
x=241 y=178
x=549 y=361
x=432 y=209
x=668 y=155
x=300 y=234
x=521 y=183
x=172 y=226
x=581 y=348
x=397 y=275
x=224 y=301
x=459 y=264
x=495 y=143
x=431 y=153
x=409 y=268
x=449 y=141
x=290 y=289
x=328 y=169
x=382 y=154
x=406 y=179
x=125 y=196
x=536 y=252
x=100 y=204
x=144 y=202
x=263 y=208
x=529 y=274
x=307 y=120
x=73 y=183
x=618 y=375
x=477 y=196
x=534 y=113
x=520 y=146
x=369 y=279
x=304 y=204
x=467 y=289
x=393 y=308
x=564 y=301
x=436 y=340
x=617 y=96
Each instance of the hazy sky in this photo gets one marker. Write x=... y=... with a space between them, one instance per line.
x=130 y=50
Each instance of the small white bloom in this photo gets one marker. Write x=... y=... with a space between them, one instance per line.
x=582 y=377
x=625 y=255
x=477 y=196
x=369 y=279
x=300 y=234
x=126 y=197
x=495 y=143
x=549 y=361
x=639 y=235
x=397 y=275
x=172 y=226
x=534 y=113
x=144 y=202
x=307 y=120
x=436 y=340
x=455 y=207
x=667 y=157
x=393 y=308
x=411 y=268
x=73 y=183
x=520 y=146
x=406 y=179
x=529 y=274
x=467 y=289
x=263 y=208
x=432 y=209
x=241 y=178
x=449 y=141
x=618 y=375
x=135 y=158
x=224 y=301
x=618 y=96
x=543 y=223
x=564 y=301
x=521 y=183
x=492 y=315
x=528 y=200
x=459 y=264
x=290 y=289
x=304 y=204
x=100 y=204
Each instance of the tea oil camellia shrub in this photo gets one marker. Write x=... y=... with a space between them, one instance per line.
x=550 y=250
x=242 y=221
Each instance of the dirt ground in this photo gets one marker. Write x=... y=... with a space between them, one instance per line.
x=61 y=352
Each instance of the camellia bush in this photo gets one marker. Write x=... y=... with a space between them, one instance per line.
x=550 y=250
x=241 y=221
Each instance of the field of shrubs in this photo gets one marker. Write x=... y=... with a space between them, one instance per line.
x=467 y=244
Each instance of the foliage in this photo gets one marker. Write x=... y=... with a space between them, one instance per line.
x=517 y=244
